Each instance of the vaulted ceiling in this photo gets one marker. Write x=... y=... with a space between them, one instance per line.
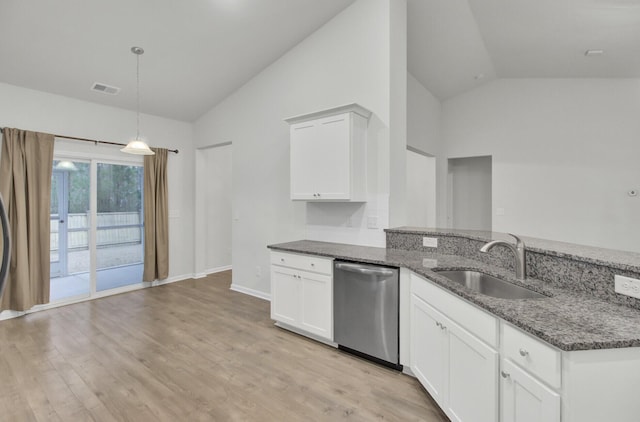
x=455 y=45
x=198 y=52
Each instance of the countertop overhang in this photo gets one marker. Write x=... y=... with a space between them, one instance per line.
x=566 y=319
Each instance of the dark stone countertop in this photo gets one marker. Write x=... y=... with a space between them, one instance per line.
x=623 y=260
x=567 y=319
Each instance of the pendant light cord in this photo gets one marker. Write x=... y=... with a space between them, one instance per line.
x=137 y=96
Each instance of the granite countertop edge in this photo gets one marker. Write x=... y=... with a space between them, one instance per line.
x=523 y=313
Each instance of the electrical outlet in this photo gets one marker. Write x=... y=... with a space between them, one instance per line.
x=430 y=242
x=627 y=286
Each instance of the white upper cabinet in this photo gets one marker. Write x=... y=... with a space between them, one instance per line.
x=328 y=155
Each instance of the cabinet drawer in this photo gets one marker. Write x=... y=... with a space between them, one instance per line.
x=532 y=355
x=476 y=321
x=312 y=263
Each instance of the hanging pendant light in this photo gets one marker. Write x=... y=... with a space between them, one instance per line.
x=66 y=165
x=137 y=146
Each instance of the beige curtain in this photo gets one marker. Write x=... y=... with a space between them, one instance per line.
x=25 y=184
x=156 y=219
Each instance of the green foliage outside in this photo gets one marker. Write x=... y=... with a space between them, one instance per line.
x=119 y=189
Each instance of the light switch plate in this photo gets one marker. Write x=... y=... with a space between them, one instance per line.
x=627 y=286
x=430 y=242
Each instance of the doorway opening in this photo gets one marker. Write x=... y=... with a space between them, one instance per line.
x=469 y=193
x=421 y=189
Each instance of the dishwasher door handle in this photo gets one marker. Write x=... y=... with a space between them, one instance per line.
x=361 y=269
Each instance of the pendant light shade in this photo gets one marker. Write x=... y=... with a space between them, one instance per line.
x=137 y=146
x=66 y=165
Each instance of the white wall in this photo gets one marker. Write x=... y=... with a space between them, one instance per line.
x=424 y=114
x=565 y=153
x=38 y=111
x=398 y=113
x=345 y=61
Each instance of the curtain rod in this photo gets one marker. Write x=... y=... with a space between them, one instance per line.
x=93 y=140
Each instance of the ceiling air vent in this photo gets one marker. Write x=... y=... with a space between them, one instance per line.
x=105 y=89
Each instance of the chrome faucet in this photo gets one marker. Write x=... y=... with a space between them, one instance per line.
x=517 y=250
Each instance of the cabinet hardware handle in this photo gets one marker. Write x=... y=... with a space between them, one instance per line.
x=523 y=353
x=313 y=265
x=504 y=374
x=443 y=327
x=438 y=324
x=281 y=259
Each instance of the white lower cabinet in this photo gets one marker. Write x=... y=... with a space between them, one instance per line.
x=456 y=368
x=302 y=293
x=428 y=348
x=316 y=302
x=285 y=293
x=524 y=398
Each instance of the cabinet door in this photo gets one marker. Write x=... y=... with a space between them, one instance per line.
x=332 y=165
x=304 y=145
x=524 y=398
x=428 y=348
x=285 y=295
x=317 y=304
x=472 y=393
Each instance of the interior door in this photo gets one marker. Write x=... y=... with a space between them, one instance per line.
x=59 y=216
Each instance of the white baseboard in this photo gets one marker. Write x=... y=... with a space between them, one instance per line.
x=251 y=292
x=212 y=271
x=171 y=279
x=8 y=314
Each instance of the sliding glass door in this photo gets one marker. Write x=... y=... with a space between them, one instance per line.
x=120 y=235
x=69 y=243
x=97 y=227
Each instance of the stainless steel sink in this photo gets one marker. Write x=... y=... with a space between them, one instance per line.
x=490 y=286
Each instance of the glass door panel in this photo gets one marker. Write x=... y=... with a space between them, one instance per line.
x=70 y=215
x=120 y=226
x=56 y=214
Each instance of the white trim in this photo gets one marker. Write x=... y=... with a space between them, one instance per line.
x=8 y=314
x=419 y=151
x=250 y=292
x=205 y=273
x=347 y=108
x=221 y=144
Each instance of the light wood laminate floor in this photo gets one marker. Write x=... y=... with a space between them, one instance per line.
x=188 y=351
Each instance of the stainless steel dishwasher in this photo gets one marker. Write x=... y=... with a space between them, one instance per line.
x=365 y=311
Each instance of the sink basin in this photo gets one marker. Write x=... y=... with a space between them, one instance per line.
x=490 y=286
